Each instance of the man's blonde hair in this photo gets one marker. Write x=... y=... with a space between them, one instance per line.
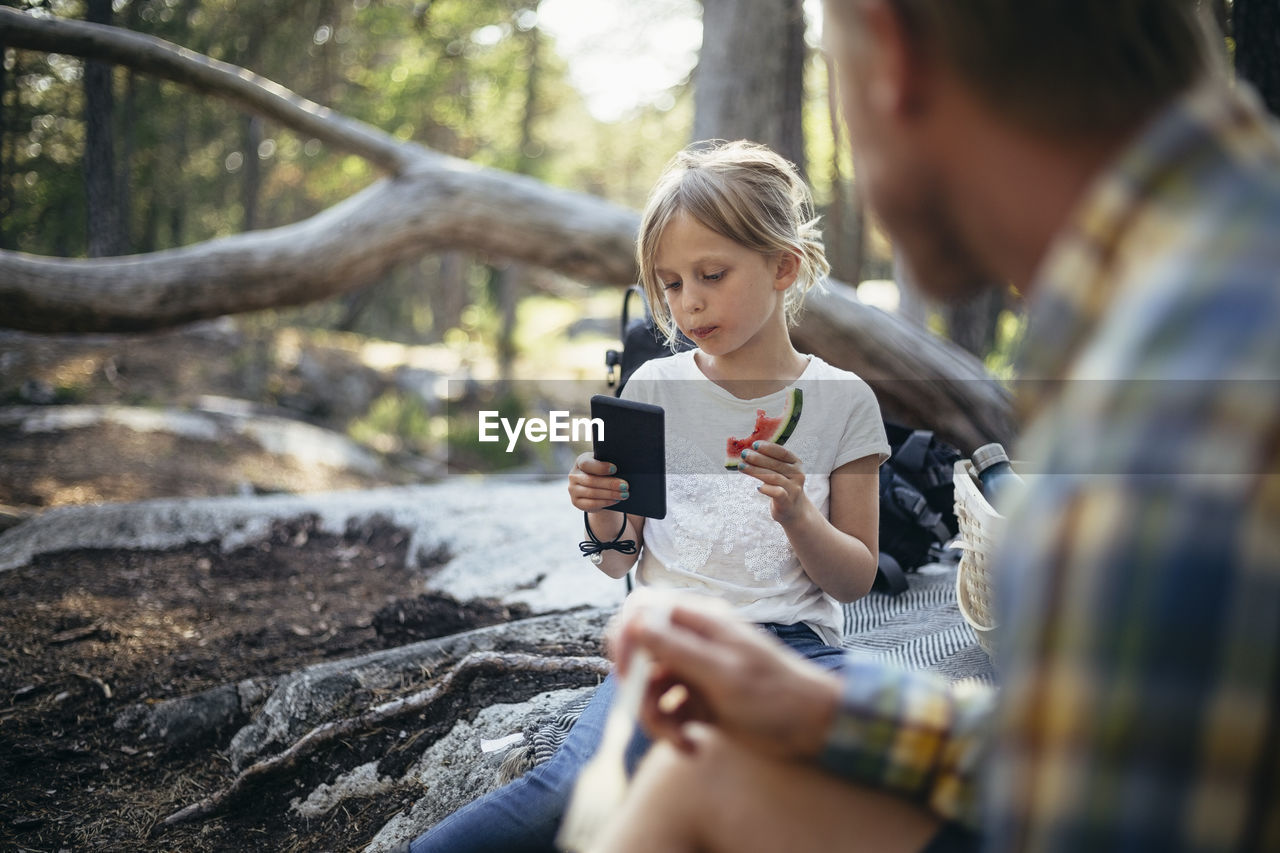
x=1074 y=67
x=742 y=191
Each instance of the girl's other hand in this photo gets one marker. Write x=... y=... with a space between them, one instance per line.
x=781 y=478
x=592 y=486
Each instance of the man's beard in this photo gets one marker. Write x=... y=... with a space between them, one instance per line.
x=938 y=260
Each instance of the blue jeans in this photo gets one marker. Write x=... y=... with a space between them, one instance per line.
x=524 y=815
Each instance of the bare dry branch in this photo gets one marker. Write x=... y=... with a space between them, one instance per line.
x=441 y=203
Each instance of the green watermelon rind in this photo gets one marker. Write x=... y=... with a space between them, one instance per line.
x=791 y=417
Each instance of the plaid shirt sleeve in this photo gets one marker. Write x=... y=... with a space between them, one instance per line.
x=911 y=733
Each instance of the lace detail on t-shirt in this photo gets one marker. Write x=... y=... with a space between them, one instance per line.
x=766 y=548
x=694 y=486
x=711 y=509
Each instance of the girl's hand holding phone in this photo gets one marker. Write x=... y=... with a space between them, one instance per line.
x=781 y=478
x=592 y=486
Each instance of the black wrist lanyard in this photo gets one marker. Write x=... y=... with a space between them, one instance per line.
x=595 y=548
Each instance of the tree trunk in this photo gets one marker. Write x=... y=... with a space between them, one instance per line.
x=150 y=227
x=506 y=281
x=845 y=231
x=129 y=147
x=1256 y=27
x=442 y=204
x=972 y=324
x=251 y=170
x=354 y=305
x=6 y=154
x=449 y=287
x=251 y=180
x=106 y=237
x=127 y=130
x=176 y=199
x=749 y=83
x=791 y=144
x=913 y=305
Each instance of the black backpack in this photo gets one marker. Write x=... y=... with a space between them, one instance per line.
x=917 y=499
x=641 y=341
x=917 y=504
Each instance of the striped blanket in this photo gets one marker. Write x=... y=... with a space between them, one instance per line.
x=920 y=629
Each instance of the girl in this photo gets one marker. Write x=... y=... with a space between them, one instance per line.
x=728 y=247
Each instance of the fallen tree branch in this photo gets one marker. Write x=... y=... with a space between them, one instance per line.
x=470 y=667
x=429 y=202
x=919 y=378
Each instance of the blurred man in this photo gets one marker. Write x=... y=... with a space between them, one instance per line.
x=1092 y=154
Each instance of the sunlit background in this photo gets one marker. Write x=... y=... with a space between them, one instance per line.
x=592 y=95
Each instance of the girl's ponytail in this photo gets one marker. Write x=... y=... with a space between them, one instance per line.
x=813 y=267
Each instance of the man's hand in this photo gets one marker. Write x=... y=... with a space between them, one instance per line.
x=713 y=668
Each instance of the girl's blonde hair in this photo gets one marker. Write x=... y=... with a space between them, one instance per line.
x=742 y=191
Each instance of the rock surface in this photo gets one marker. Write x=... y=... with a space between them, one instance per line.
x=456 y=770
x=505 y=538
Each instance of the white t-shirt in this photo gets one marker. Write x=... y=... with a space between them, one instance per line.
x=718 y=537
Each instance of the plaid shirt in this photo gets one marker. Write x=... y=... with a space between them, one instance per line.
x=1140 y=578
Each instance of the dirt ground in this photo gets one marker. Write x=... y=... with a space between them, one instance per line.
x=86 y=634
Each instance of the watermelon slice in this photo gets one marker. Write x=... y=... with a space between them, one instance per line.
x=776 y=430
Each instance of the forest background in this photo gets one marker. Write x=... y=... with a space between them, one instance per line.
x=101 y=160
x=595 y=97
x=143 y=643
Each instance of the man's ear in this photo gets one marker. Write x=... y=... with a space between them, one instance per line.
x=785 y=270
x=896 y=67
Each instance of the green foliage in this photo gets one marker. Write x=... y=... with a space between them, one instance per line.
x=465 y=450
x=477 y=79
x=1010 y=329
x=42 y=165
x=454 y=75
x=395 y=422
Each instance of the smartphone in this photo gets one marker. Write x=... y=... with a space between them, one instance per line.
x=632 y=437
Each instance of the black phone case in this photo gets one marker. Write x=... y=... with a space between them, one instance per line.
x=634 y=440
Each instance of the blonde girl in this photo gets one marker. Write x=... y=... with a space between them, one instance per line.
x=728 y=247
